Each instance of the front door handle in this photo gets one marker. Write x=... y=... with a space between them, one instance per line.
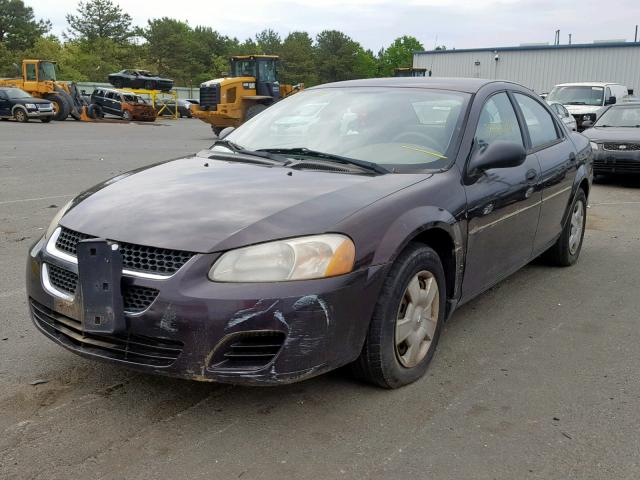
x=531 y=174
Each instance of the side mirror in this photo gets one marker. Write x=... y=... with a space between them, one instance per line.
x=610 y=101
x=499 y=154
x=587 y=124
x=225 y=132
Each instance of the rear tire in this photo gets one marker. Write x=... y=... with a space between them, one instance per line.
x=216 y=130
x=20 y=115
x=410 y=305
x=254 y=110
x=45 y=119
x=566 y=250
x=60 y=106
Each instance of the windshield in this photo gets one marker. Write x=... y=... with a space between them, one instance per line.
x=46 y=71
x=393 y=127
x=243 y=68
x=16 y=93
x=620 y=117
x=577 y=95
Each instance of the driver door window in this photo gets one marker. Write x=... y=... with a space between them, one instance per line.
x=498 y=121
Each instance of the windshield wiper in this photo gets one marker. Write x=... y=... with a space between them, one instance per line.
x=330 y=157
x=575 y=103
x=235 y=148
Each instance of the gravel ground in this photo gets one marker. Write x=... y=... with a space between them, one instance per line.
x=539 y=378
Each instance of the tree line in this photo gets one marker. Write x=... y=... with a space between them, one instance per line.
x=100 y=39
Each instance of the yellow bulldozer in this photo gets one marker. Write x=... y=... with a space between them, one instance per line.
x=39 y=80
x=251 y=86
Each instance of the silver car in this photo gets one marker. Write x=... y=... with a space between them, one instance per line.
x=564 y=115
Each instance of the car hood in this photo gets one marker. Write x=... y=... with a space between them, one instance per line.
x=23 y=101
x=613 y=134
x=185 y=204
x=582 y=109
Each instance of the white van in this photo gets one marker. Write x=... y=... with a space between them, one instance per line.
x=585 y=99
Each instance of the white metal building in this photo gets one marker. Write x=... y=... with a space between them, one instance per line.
x=540 y=67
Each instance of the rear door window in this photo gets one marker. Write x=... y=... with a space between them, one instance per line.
x=542 y=129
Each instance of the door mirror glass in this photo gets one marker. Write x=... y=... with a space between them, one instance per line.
x=610 y=101
x=499 y=154
x=225 y=132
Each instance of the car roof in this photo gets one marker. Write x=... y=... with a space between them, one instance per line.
x=468 y=85
x=587 y=84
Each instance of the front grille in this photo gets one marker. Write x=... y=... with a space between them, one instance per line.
x=622 y=147
x=248 y=351
x=135 y=297
x=142 y=350
x=139 y=258
x=62 y=279
x=210 y=97
x=617 y=166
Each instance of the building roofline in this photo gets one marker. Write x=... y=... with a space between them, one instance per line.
x=535 y=47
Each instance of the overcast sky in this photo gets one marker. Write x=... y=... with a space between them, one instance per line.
x=375 y=23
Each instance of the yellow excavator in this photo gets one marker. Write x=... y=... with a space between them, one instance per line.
x=38 y=79
x=251 y=87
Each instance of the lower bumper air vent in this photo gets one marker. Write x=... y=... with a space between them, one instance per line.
x=248 y=350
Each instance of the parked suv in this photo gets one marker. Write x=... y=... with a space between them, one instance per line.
x=122 y=104
x=585 y=100
x=18 y=104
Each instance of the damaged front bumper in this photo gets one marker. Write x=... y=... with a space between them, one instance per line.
x=266 y=333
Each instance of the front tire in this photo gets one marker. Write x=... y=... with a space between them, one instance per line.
x=20 y=115
x=406 y=322
x=126 y=115
x=61 y=108
x=566 y=250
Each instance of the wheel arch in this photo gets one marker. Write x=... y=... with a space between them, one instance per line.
x=441 y=232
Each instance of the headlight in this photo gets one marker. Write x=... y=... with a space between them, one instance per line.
x=56 y=219
x=594 y=145
x=303 y=258
x=32 y=106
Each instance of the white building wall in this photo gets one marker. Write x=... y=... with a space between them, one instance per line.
x=539 y=69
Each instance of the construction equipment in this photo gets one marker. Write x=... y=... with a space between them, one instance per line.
x=39 y=80
x=409 y=72
x=249 y=89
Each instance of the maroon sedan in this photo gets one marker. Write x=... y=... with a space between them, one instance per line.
x=342 y=225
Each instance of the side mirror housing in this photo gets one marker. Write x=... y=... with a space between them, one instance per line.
x=225 y=132
x=499 y=154
x=611 y=101
x=587 y=124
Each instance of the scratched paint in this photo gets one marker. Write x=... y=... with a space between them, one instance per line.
x=249 y=313
x=168 y=320
x=309 y=300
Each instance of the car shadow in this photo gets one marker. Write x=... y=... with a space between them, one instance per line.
x=628 y=181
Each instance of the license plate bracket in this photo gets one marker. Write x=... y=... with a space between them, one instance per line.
x=100 y=275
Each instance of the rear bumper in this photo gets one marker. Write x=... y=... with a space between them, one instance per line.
x=605 y=161
x=195 y=328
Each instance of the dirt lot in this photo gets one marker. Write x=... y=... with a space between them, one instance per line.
x=538 y=378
